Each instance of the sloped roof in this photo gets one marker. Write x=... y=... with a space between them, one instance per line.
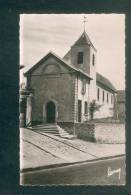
x=121 y=96
x=61 y=60
x=104 y=81
x=83 y=40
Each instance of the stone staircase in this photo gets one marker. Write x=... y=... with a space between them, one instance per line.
x=52 y=128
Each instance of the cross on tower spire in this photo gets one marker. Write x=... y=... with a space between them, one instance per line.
x=84 y=21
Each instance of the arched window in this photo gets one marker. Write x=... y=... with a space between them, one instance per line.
x=93 y=59
x=83 y=89
x=80 y=58
x=103 y=96
x=111 y=99
x=98 y=94
x=107 y=97
x=85 y=107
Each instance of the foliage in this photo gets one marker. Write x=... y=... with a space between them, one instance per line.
x=93 y=107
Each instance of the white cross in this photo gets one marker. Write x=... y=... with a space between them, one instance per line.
x=84 y=21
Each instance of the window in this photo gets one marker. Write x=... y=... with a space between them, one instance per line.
x=83 y=90
x=107 y=97
x=103 y=96
x=80 y=58
x=93 y=59
x=85 y=107
x=79 y=110
x=111 y=99
x=98 y=94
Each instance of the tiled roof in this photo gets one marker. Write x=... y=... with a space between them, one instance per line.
x=121 y=96
x=104 y=82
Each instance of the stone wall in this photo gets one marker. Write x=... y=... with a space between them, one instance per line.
x=52 y=81
x=84 y=131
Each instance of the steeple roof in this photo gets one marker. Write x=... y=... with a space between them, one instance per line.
x=83 y=40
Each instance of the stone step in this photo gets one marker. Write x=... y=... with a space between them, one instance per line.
x=46 y=124
x=64 y=135
x=69 y=137
x=44 y=129
x=52 y=132
x=53 y=129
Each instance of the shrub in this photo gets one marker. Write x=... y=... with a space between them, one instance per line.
x=93 y=107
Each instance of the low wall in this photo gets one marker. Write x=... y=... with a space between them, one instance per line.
x=84 y=131
x=109 y=120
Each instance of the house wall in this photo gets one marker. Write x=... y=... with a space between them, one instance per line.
x=83 y=97
x=106 y=109
x=121 y=110
x=88 y=68
x=93 y=69
x=87 y=65
x=51 y=81
x=120 y=105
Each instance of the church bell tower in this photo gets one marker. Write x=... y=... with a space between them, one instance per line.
x=82 y=55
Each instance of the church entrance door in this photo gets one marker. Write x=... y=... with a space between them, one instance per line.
x=50 y=112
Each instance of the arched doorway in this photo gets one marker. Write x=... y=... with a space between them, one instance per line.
x=50 y=112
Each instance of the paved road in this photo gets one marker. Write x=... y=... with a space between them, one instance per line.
x=101 y=172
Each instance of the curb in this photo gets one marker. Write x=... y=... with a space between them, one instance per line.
x=67 y=164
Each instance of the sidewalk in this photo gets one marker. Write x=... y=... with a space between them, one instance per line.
x=44 y=150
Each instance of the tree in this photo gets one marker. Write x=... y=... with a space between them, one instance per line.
x=93 y=107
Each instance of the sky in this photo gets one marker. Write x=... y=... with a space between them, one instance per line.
x=41 y=33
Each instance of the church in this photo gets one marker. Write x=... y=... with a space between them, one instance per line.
x=61 y=89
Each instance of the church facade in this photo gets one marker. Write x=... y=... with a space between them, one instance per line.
x=61 y=89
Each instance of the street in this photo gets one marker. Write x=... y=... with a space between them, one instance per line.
x=109 y=171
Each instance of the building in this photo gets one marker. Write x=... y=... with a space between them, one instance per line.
x=62 y=88
x=121 y=104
